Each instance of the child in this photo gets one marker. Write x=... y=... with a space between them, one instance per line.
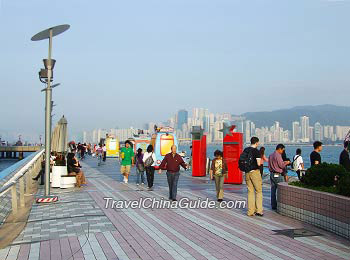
x=219 y=172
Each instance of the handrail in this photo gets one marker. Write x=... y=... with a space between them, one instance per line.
x=20 y=173
x=20 y=185
x=290 y=169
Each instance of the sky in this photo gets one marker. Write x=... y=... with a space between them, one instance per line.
x=125 y=63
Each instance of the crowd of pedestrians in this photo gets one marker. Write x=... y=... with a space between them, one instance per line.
x=255 y=158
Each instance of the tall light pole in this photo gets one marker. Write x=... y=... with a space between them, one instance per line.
x=47 y=75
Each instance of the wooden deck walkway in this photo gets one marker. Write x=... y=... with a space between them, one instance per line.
x=80 y=227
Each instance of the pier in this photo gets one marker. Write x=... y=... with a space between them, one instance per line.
x=79 y=226
x=10 y=152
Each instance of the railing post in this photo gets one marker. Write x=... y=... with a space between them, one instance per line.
x=21 y=193
x=28 y=182
x=14 y=198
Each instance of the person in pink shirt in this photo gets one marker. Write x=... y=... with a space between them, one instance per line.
x=277 y=169
x=263 y=159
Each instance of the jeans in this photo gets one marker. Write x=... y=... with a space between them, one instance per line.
x=173 y=178
x=150 y=176
x=274 y=184
x=138 y=174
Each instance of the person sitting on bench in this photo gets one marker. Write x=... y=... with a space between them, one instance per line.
x=73 y=168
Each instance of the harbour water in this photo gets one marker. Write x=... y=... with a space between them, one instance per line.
x=5 y=163
x=329 y=154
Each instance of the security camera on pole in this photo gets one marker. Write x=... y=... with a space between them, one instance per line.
x=46 y=76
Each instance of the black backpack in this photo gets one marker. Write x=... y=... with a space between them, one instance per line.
x=246 y=160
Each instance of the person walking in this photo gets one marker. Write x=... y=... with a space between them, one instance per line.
x=253 y=178
x=344 y=158
x=277 y=169
x=298 y=163
x=127 y=156
x=82 y=151
x=140 y=167
x=315 y=157
x=263 y=159
x=99 y=154
x=219 y=171
x=149 y=161
x=104 y=148
x=171 y=163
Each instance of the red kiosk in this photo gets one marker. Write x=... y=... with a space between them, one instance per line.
x=199 y=152
x=233 y=147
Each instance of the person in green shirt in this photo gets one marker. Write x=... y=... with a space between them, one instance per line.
x=127 y=156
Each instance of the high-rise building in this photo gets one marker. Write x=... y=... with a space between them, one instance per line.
x=311 y=134
x=218 y=136
x=295 y=131
x=341 y=131
x=199 y=113
x=195 y=113
x=247 y=132
x=252 y=129
x=206 y=123
x=305 y=131
x=277 y=132
x=328 y=132
x=238 y=121
x=85 y=137
x=318 y=132
x=182 y=118
x=94 y=136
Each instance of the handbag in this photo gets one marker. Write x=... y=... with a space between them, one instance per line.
x=149 y=161
x=140 y=167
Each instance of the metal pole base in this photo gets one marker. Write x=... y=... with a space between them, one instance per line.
x=46 y=199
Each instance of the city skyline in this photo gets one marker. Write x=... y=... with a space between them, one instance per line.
x=300 y=132
x=209 y=118
x=234 y=56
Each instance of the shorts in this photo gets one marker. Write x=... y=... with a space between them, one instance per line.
x=125 y=169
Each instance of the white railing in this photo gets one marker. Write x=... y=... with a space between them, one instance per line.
x=23 y=180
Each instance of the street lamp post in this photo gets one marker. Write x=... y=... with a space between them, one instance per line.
x=47 y=75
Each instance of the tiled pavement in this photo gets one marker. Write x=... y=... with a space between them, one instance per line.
x=79 y=226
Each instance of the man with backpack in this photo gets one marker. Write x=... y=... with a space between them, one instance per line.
x=277 y=169
x=249 y=162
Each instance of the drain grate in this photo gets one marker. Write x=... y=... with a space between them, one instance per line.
x=300 y=232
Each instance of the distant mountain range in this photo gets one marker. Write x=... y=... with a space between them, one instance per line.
x=325 y=114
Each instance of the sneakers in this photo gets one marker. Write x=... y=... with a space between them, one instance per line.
x=137 y=184
x=259 y=214
x=150 y=188
x=143 y=183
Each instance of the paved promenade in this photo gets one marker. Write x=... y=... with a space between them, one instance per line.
x=80 y=227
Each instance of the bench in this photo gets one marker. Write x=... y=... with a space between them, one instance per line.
x=68 y=181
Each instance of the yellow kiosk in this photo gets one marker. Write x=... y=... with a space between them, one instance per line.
x=112 y=146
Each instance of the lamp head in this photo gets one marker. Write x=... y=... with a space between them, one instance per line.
x=49 y=64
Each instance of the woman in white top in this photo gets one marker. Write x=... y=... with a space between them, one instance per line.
x=148 y=157
x=298 y=163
